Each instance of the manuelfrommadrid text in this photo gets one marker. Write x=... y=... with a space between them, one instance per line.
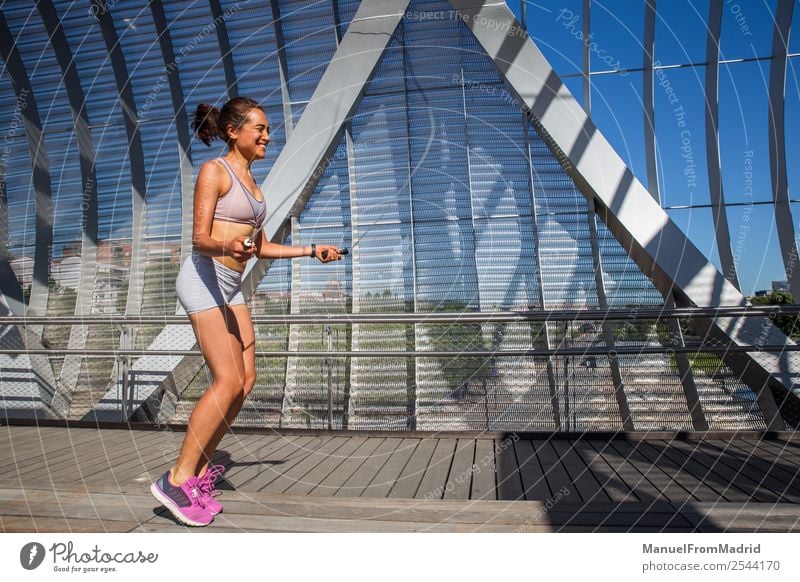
x=693 y=549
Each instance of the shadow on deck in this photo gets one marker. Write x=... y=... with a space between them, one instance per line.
x=85 y=478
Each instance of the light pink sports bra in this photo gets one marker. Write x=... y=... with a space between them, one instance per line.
x=238 y=204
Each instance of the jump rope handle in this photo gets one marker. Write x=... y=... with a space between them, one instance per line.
x=343 y=252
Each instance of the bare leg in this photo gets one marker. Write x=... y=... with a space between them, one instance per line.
x=221 y=343
x=244 y=326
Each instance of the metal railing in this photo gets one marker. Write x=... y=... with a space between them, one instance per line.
x=600 y=345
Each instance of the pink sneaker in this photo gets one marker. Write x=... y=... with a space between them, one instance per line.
x=186 y=502
x=208 y=489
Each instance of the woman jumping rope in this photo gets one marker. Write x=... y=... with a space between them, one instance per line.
x=229 y=209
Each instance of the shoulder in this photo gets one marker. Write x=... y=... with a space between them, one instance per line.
x=214 y=166
x=213 y=172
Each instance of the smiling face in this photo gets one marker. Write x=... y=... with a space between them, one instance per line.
x=252 y=137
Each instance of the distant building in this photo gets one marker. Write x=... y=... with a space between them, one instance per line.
x=780 y=285
x=761 y=293
x=67 y=272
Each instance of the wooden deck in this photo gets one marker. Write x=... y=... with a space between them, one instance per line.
x=55 y=478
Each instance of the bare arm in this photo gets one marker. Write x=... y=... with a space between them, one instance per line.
x=270 y=250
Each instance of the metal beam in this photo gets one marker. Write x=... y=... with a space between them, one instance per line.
x=171 y=66
x=719 y=214
x=586 y=55
x=648 y=98
x=653 y=241
x=88 y=266
x=43 y=195
x=283 y=70
x=777 y=146
x=10 y=289
x=537 y=258
x=130 y=117
x=43 y=203
x=226 y=55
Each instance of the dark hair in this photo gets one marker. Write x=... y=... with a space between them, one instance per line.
x=211 y=123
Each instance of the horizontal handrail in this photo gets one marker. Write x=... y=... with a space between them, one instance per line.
x=770 y=311
x=618 y=351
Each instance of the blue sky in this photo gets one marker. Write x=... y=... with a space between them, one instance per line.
x=681 y=37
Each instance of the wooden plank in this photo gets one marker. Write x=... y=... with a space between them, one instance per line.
x=291 y=456
x=40 y=454
x=116 y=464
x=314 y=477
x=773 y=452
x=726 y=477
x=785 y=475
x=656 y=453
x=257 y=459
x=30 y=443
x=588 y=487
x=614 y=485
x=273 y=455
x=667 y=487
x=148 y=468
x=15 y=524
x=627 y=472
x=788 y=450
x=410 y=479
x=749 y=517
x=553 y=470
x=484 y=483
x=359 y=480
x=90 y=507
x=383 y=482
x=435 y=479
x=297 y=473
x=459 y=480
x=739 y=462
x=534 y=483
x=90 y=453
x=509 y=482
x=335 y=480
x=703 y=473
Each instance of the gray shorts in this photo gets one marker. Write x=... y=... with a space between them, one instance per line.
x=204 y=283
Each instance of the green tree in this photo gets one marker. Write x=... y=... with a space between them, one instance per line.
x=788 y=324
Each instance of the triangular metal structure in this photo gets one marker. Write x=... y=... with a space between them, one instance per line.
x=636 y=220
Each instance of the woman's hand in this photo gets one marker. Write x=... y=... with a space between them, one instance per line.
x=237 y=249
x=328 y=253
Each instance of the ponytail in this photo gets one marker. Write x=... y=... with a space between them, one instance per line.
x=206 y=123
x=211 y=123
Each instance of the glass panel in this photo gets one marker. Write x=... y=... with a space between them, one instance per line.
x=617 y=29
x=747 y=29
x=310 y=40
x=617 y=112
x=756 y=250
x=255 y=58
x=792 y=125
x=558 y=34
x=743 y=132
x=680 y=136
x=681 y=32
x=197 y=56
